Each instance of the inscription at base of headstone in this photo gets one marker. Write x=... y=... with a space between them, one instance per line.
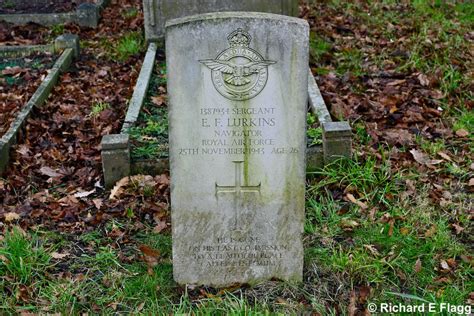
x=237 y=85
x=157 y=12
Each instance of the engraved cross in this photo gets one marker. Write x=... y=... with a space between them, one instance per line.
x=238 y=189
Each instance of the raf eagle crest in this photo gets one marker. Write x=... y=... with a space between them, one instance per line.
x=239 y=72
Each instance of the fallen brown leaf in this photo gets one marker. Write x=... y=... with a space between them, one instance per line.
x=396 y=82
x=13 y=70
x=98 y=203
x=352 y=308
x=424 y=80
x=418 y=267
x=84 y=193
x=158 y=100
x=118 y=188
x=372 y=213
x=11 y=216
x=444 y=265
x=140 y=307
x=160 y=226
x=150 y=256
x=372 y=250
x=462 y=132
x=348 y=224
x=47 y=171
x=431 y=231
x=457 y=228
x=404 y=231
x=351 y=198
x=391 y=225
x=423 y=158
x=57 y=255
x=444 y=156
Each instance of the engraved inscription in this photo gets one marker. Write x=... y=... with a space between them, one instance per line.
x=247 y=251
x=238 y=131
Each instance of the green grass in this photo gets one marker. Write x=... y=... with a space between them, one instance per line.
x=432 y=147
x=9 y=4
x=150 y=136
x=370 y=251
x=464 y=120
x=98 y=107
x=350 y=61
x=314 y=132
x=98 y=279
x=23 y=263
x=318 y=46
x=361 y=133
x=130 y=13
x=23 y=257
x=151 y=140
x=128 y=45
x=57 y=30
x=374 y=182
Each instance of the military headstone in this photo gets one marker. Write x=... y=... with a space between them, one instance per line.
x=157 y=12
x=237 y=85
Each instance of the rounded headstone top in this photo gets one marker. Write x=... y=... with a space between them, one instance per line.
x=234 y=14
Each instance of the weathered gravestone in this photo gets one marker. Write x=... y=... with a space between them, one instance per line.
x=157 y=12
x=238 y=88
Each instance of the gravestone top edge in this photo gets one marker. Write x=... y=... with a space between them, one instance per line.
x=234 y=14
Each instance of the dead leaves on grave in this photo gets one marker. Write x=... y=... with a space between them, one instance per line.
x=59 y=152
x=140 y=184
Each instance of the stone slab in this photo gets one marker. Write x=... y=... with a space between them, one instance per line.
x=86 y=14
x=115 y=158
x=316 y=101
x=157 y=12
x=141 y=88
x=68 y=41
x=337 y=140
x=238 y=95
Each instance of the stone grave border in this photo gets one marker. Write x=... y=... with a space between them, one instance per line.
x=70 y=45
x=86 y=14
x=60 y=43
x=116 y=161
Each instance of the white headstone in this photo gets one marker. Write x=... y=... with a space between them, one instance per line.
x=237 y=84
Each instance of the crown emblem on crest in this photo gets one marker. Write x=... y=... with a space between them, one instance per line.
x=239 y=38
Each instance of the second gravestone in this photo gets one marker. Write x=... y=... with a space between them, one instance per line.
x=237 y=84
x=157 y=12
